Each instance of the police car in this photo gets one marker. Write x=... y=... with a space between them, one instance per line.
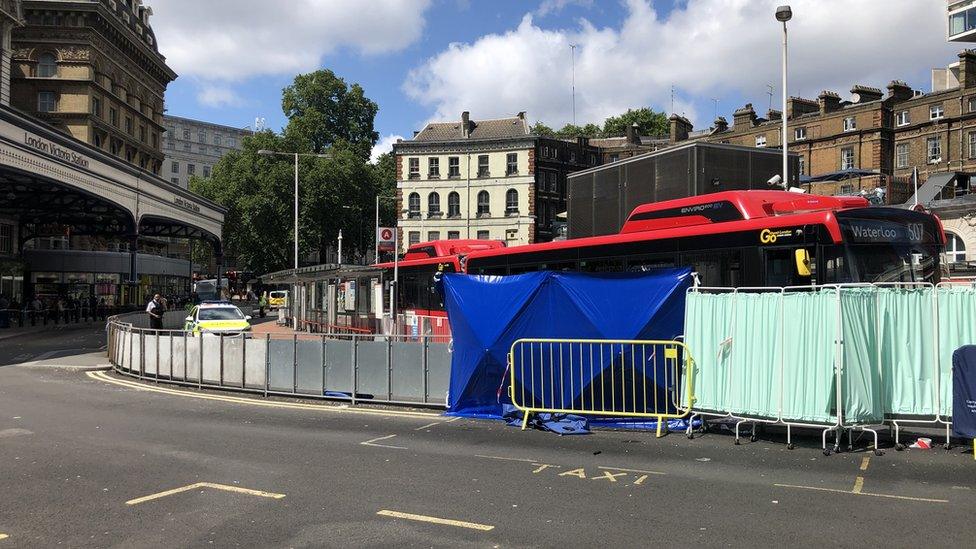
x=217 y=317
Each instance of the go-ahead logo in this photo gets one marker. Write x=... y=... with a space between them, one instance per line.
x=767 y=236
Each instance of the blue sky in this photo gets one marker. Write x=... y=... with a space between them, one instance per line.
x=431 y=59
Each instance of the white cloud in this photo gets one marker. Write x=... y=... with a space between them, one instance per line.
x=384 y=145
x=705 y=48
x=234 y=39
x=547 y=7
x=218 y=96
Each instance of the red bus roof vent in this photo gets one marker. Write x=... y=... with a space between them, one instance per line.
x=815 y=203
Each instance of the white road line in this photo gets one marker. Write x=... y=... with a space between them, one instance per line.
x=631 y=470
x=372 y=442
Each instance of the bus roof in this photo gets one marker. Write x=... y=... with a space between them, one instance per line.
x=444 y=248
x=714 y=213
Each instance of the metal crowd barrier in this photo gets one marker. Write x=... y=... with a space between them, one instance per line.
x=354 y=368
x=604 y=378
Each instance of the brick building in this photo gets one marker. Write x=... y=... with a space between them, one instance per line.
x=487 y=179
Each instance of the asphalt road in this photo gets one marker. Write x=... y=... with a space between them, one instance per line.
x=75 y=447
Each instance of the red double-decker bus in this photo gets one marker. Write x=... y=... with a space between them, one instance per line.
x=748 y=239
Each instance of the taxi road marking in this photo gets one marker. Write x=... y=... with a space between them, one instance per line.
x=187 y=488
x=372 y=442
x=436 y=520
x=4 y=536
x=836 y=491
x=102 y=376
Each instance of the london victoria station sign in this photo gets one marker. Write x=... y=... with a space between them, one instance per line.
x=56 y=151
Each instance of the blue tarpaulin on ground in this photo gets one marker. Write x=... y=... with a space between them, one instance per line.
x=964 y=391
x=489 y=313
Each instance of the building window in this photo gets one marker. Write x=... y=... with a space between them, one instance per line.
x=202 y=137
x=803 y=165
x=614 y=157
x=902 y=119
x=47 y=101
x=799 y=134
x=433 y=235
x=483 y=204
x=955 y=249
x=186 y=146
x=971 y=104
x=511 y=202
x=96 y=106
x=847 y=158
x=434 y=168
x=936 y=112
x=174 y=180
x=175 y=167
x=933 y=148
x=186 y=134
x=453 y=167
x=572 y=156
x=414 y=168
x=47 y=66
x=202 y=148
x=453 y=235
x=850 y=124
x=483 y=165
x=901 y=155
x=217 y=140
x=413 y=205
x=760 y=140
x=972 y=144
x=846 y=189
x=155 y=140
x=6 y=238
x=206 y=171
x=142 y=134
x=191 y=169
x=483 y=235
x=413 y=237
x=453 y=204
x=511 y=164
x=433 y=205
x=128 y=125
x=231 y=142
x=113 y=116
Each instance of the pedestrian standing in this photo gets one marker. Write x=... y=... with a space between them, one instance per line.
x=155 y=311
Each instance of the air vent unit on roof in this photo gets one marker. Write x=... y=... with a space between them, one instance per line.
x=916 y=93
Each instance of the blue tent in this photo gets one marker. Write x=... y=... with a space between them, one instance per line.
x=489 y=313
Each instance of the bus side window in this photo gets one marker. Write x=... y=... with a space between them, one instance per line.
x=780 y=268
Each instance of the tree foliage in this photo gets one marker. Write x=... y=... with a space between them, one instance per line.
x=648 y=122
x=337 y=192
x=323 y=111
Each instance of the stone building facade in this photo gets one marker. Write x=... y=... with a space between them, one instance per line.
x=484 y=179
x=92 y=69
x=192 y=147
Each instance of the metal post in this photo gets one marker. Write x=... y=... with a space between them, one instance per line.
x=389 y=368
x=267 y=363
x=323 y=366
x=295 y=313
x=376 y=233
x=355 y=373
x=426 y=370
x=294 y=362
x=786 y=179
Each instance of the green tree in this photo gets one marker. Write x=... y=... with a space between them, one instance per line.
x=323 y=111
x=541 y=129
x=589 y=130
x=648 y=122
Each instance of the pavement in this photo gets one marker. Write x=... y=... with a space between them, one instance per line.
x=92 y=459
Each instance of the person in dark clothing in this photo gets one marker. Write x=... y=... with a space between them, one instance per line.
x=155 y=311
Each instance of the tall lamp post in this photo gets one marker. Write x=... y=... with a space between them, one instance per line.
x=784 y=14
x=266 y=152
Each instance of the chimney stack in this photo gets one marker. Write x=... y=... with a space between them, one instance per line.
x=899 y=91
x=465 y=124
x=798 y=106
x=967 y=69
x=633 y=134
x=865 y=94
x=744 y=117
x=680 y=128
x=829 y=101
x=521 y=115
x=721 y=125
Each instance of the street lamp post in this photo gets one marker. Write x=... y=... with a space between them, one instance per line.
x=784 y=14
x=266 y=152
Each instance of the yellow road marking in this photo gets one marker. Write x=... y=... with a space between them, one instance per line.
x=543 y=466
x=836 y=491
x=607 y=475
x=507 y=458
x=187 y=488
x=101 y=376
x=631 y=470
x=858 y=485
x=4 y=536
x=640 y=481
x=436 y=520
x=865 y=462
x=372 y=442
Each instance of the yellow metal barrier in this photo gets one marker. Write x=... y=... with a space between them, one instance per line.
x=602 y=377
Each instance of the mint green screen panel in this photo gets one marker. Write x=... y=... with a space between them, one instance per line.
x=708 y=324
x=754 y=381
x=957 y=327
x=809 y=333
x=861 y=379
x=907 y=351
